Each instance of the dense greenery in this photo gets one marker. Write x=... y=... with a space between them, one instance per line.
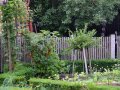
x=44 y=65
x=64 y=85
x=80 y=40
x=44 y=60
x=60 y=85
x=62 y=15
x=101 y=69
x=10 y=13
x=97 y=65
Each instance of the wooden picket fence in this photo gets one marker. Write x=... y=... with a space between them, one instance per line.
x=105 y=49
x=100 y=51
x=118 y=47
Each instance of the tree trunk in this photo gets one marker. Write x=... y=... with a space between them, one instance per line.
x=85 y=61
x=9 y=52
x=90 y=65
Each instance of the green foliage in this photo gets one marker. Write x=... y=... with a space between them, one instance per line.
x=47 y=14
x=22 y=72
x=62 y=15
x=97 y=65
x=10 y=12
x=90 y=10
x=56 y=84
x=44 y=59
x=65 y=85
x=82 y=39
x=15 y=79
x=22 y=69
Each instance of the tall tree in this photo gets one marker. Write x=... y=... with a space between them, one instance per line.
x=13 y=9
x=62 y=15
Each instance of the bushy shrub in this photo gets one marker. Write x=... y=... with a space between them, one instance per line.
x=22 y=72
x=97 y=65
x=45 y=61
x=23 y=69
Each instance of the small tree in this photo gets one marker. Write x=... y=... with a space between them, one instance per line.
x=82 y=39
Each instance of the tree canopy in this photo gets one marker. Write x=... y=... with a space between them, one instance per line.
x=62 y=15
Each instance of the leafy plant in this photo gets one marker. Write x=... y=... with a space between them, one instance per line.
x=57 y=84
x=45 y=61
x=10 y=13
x=82 y=39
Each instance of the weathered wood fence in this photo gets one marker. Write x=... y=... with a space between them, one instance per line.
x=101 y=51
x=105 y=49
x=117 y=47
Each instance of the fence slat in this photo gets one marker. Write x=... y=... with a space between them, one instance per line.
x=102 y=51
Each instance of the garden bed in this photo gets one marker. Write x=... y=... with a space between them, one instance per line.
x=110 y=84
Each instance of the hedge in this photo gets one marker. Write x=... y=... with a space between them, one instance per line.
x=48 y=84
x=38 y=83
x=99 y=65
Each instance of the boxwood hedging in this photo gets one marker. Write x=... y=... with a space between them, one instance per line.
x=48 y=84
x=38 y=83
x=99 y=65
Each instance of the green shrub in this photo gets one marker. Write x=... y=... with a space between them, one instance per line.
x=46 y=62
x=22 y=72
x=23 y=69
x=56 y=84
x=97 y=65
x=47 y=84
x=15 y=79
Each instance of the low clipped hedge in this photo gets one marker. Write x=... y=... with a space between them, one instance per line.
x=99 y=65
x=49 y=84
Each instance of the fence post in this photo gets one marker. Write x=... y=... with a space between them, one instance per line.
x=112 y=46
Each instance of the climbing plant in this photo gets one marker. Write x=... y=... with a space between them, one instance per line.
x=10 y=12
